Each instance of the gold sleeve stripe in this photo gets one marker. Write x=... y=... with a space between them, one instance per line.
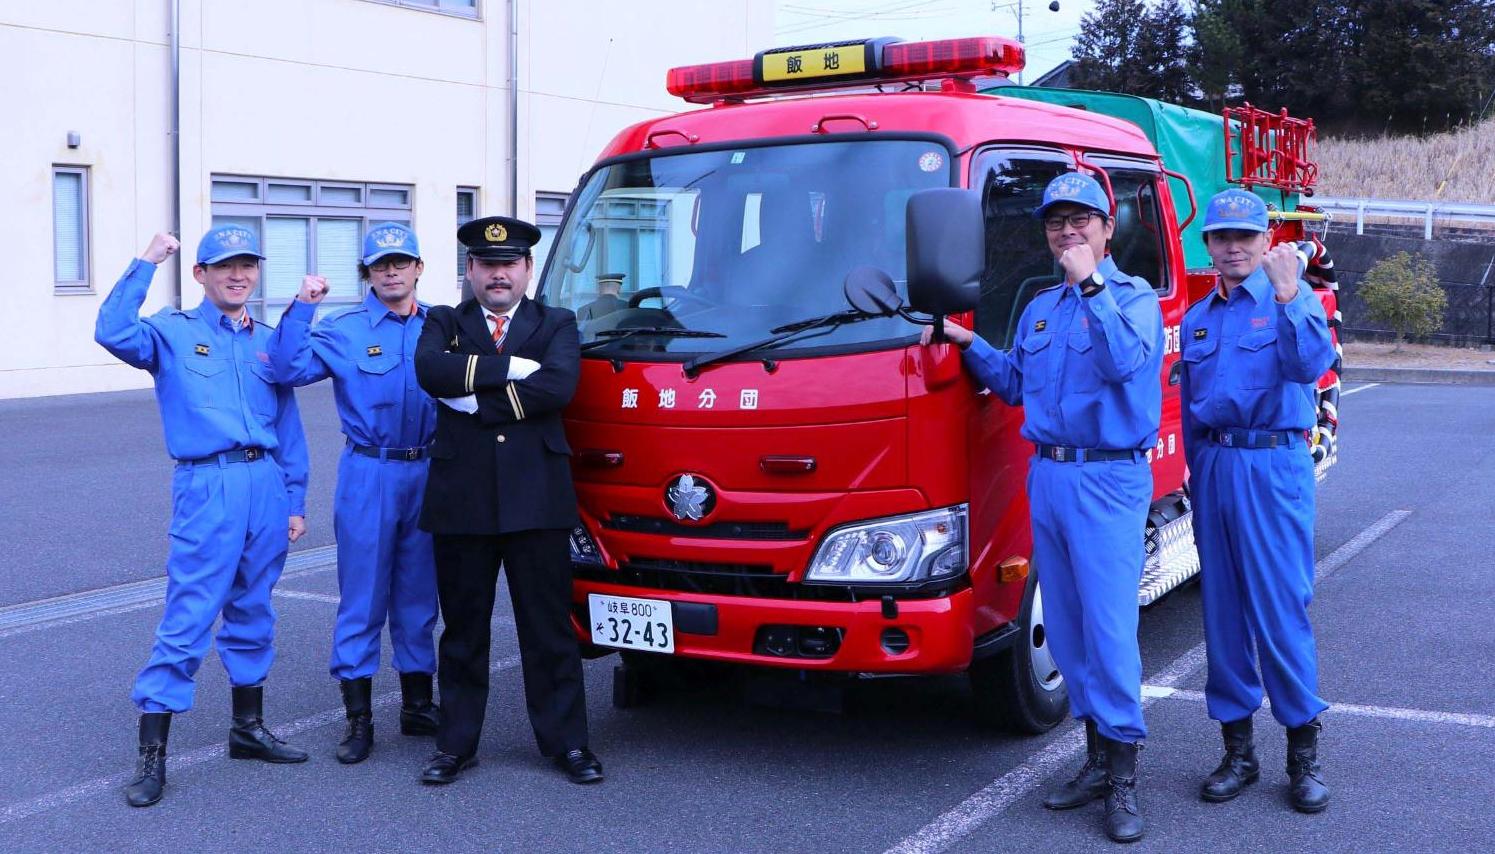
x=472 y=371
x=514 y=402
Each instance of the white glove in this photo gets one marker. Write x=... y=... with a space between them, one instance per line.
x=468 y=404
x=520 y=367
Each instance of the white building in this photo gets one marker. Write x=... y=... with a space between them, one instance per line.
x=309 y=119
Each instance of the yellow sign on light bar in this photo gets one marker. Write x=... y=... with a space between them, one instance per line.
x=814 y=63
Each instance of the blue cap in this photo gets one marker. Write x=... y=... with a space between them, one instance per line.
x=1076 y=189
x=389 y=238
x=227 y=241
x=1236 y=209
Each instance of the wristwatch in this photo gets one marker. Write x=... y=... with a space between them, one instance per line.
x=1093 y=285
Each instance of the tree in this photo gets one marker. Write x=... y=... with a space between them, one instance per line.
x=1403 y=292
x=1354 y=65
x=1163 y=53
x=1129 y=46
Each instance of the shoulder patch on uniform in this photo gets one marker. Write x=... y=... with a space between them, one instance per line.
x=1200 y=334
x=1040 y=325
x=202 y=349
x=375 y=350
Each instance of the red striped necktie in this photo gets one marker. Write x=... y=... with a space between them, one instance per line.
x=500 y=325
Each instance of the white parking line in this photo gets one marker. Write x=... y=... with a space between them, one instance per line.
x=1335 y=709
x=960 y=821
x=175 y=762
x=309 y=596
x=1357 y=389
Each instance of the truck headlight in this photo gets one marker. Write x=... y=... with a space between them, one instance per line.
x=583 y=549
x=896 y=550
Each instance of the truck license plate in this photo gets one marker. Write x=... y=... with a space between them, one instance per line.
x=628 y=623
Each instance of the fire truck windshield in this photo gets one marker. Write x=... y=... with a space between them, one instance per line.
x=677 y=254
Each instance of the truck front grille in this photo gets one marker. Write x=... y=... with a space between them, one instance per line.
x=712 y=531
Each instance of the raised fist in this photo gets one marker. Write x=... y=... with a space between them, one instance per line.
x=313 y=288
x=1078 y=263
x=162 y=246
x=1281 y=266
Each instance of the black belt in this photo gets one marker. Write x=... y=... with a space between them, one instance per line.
x=407 y=455
x=1237 y=437
x=242 y=455
x=1064 y=454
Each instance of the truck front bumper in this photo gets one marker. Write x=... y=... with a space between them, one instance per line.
x=932 y=635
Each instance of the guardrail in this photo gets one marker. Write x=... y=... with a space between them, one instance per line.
x=1427 y=211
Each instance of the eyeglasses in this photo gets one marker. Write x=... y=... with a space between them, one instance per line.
x=399 y=264
x=1075 y=220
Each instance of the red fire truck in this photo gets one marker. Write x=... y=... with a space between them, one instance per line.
x=771 y=470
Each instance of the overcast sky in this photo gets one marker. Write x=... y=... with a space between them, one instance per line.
x=1049 y=35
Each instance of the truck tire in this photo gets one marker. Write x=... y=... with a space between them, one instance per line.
x=1020 y=689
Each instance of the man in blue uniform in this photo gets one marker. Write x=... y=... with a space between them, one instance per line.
x=384 y=562
x=238 y=491
x=1252 y=351
x=1085 y=365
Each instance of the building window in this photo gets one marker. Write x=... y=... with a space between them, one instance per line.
x=306 y=227
x=70 y=228
x=467 y=211
x=465 y=8
x=549 y=209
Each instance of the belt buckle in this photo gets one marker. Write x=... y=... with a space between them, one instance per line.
x=1227 y=439
x=252 y=454
x=409 y=454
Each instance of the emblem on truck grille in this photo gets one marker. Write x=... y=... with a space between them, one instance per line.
x=690 y=499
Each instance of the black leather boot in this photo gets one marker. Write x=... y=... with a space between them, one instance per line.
x=1123 y=814
x=1087 y=785
x=248 y=738
x=358 y=701
x=150 y=769
x=418 y=714
x=1238 y=769
x=1306 y=786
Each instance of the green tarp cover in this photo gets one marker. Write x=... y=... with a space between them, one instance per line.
x=1189 y=141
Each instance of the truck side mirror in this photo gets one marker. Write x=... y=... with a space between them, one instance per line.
x=871 y=291
x=946 y=237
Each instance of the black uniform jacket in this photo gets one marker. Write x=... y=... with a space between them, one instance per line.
x=507 y=467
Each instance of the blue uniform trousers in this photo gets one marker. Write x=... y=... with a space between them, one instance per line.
x=228 y=547
x=1253 y=525
x=1088 y=520
x=385 y=567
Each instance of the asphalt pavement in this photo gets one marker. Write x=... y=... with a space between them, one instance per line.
x=1404 y=615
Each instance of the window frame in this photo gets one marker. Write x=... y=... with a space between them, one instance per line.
x=83 y=284
x=1110 y=162
x=476 y=195
x=439 y=7
x=261 y=210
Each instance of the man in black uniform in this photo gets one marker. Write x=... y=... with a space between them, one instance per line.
x=499 y=492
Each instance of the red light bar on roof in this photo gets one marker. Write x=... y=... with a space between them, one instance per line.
x=827 y=66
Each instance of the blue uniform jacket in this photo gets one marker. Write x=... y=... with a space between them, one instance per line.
x=1251 y=362
x=214 y=384
x=1086 y=370
x=370 y=352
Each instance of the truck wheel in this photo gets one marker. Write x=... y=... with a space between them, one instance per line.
x=1020 y=689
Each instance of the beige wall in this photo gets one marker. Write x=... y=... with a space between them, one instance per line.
x=326 y=89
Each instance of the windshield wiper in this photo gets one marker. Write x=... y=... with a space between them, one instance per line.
x=780 y=335
x=613 y=336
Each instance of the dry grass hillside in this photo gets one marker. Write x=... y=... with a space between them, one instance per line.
x=1462 y=162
